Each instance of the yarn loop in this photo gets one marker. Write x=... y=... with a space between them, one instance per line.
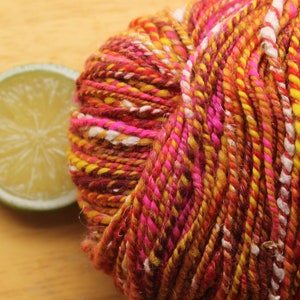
x=186 y=153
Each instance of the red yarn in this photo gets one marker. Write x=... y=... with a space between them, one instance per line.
x=186 y=153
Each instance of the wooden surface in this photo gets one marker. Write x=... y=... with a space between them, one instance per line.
x=40 y=254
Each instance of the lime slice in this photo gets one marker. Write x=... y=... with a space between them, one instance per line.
x=35 y=103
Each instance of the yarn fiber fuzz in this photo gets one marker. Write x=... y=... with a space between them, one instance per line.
x=185 y=150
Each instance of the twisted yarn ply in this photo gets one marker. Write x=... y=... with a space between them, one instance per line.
x=185 y=150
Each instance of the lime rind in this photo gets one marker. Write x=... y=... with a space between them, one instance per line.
x=38 y=205
x=66 y=71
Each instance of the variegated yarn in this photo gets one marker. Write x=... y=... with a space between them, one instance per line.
x=186 y=153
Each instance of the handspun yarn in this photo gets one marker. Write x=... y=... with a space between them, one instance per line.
x=185 y=150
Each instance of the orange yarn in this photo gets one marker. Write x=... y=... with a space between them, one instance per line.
x=186 y=153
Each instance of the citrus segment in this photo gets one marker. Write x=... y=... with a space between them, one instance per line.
x=35 y=102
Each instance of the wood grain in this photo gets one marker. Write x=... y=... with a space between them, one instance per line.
x=40 y=252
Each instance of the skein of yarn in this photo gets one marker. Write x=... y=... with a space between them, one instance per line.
x=185 y=150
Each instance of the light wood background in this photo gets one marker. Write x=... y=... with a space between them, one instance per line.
x=40 y=256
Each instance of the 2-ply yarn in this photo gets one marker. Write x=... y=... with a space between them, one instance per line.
x=185 y=150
